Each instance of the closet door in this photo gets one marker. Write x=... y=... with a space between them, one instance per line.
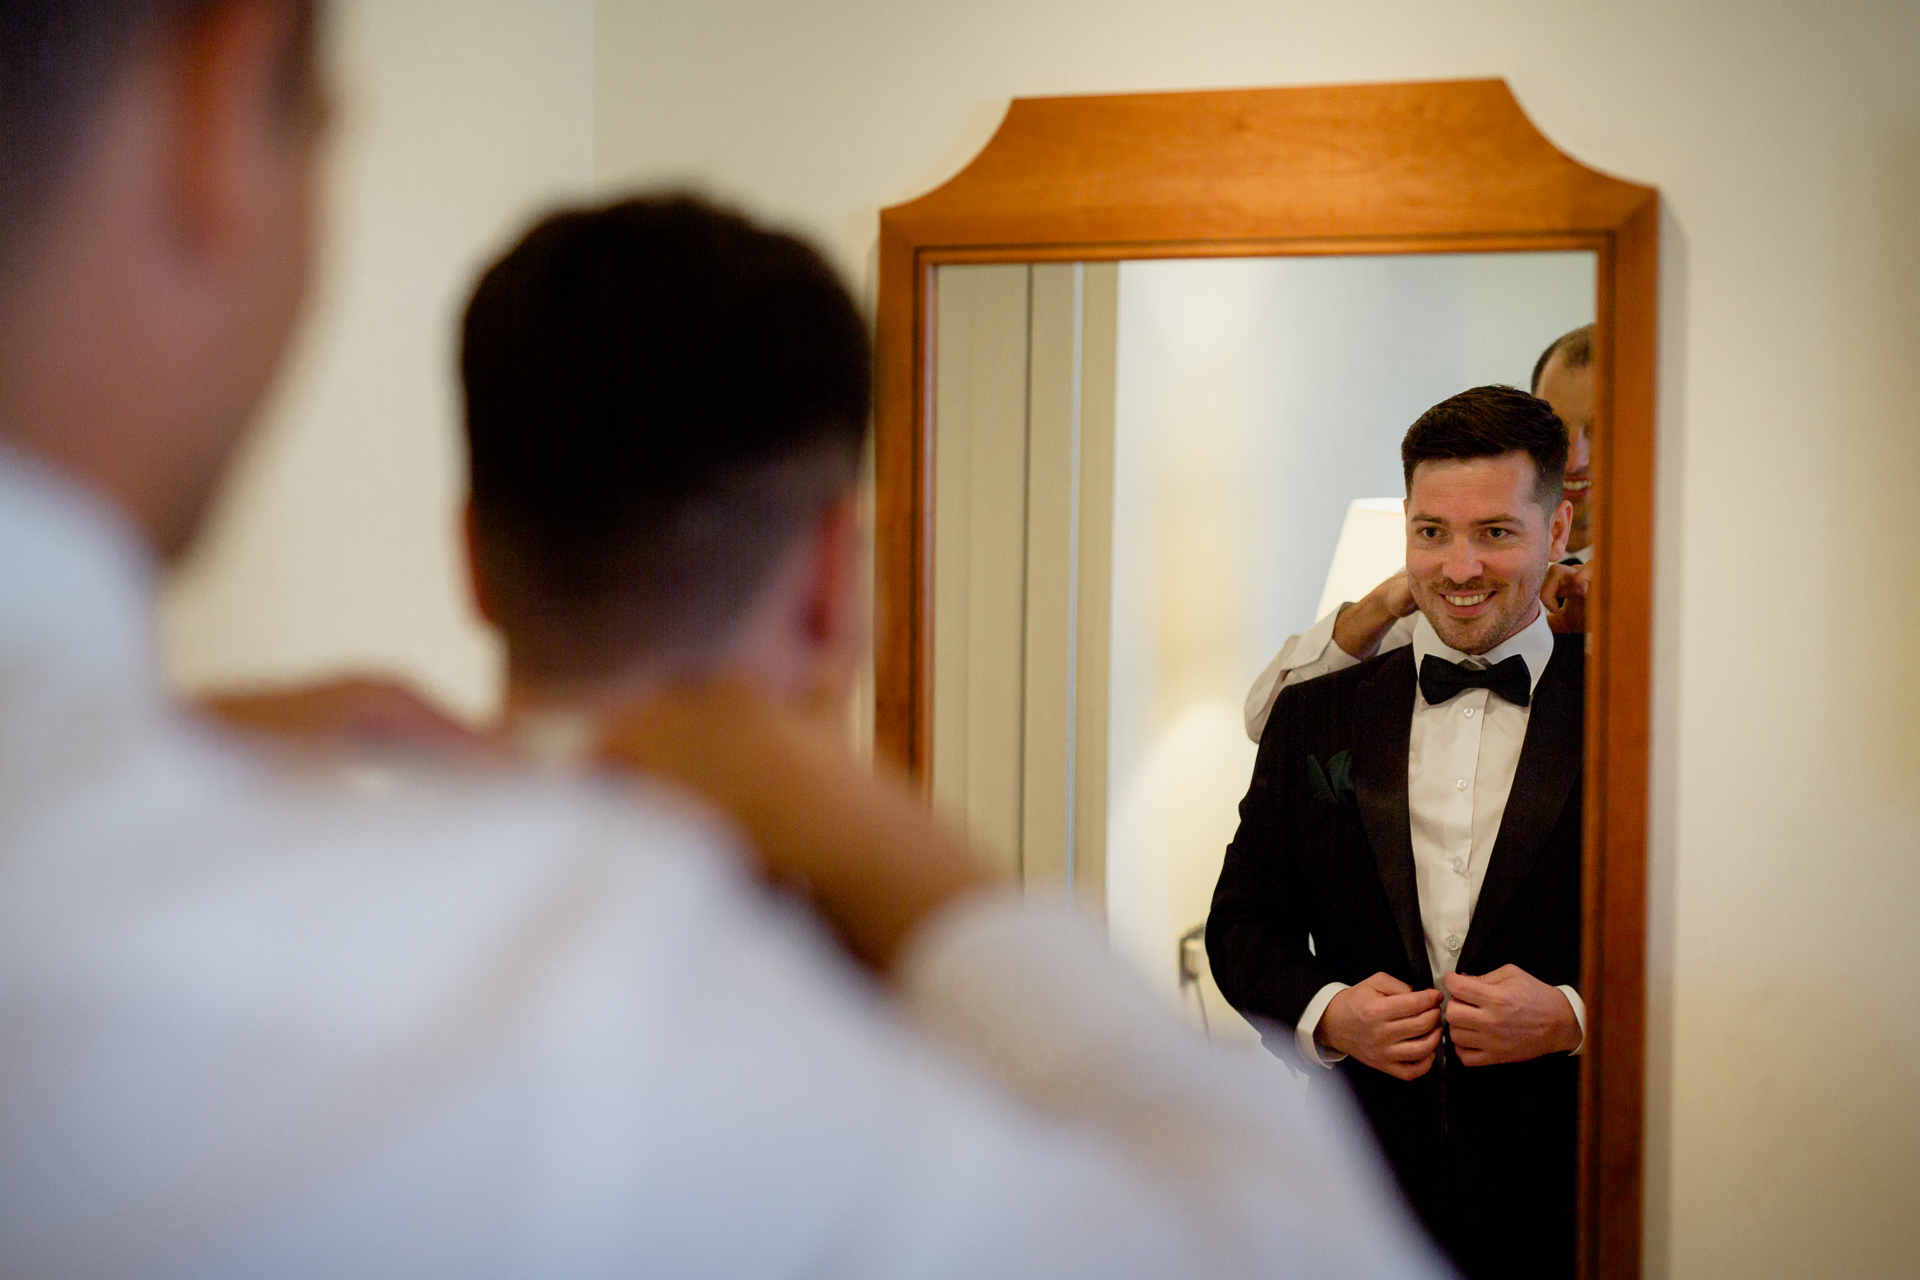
x=1023 y=525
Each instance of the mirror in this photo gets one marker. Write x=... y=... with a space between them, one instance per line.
x=1144 y=371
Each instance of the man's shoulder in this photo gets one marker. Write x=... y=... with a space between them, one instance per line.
x=1323 y=704
x=476 y=816
x=1337 y=687
x=1569 y=661
x=361 y=852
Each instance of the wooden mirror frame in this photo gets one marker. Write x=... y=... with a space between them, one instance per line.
x=1452 y=167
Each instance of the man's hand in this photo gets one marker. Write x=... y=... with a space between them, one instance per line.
x=1384 y=1023
x=1360 y=626
x=869 y=856
x=1564 y=593
x=347 y=711
x=1508 y=1016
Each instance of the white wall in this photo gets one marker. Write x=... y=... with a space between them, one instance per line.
x=337 y=542
x=1785 y=1096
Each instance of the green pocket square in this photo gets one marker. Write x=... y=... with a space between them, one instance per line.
x=1334 y=783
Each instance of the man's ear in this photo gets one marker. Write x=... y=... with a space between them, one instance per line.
x=803 y=638
x=1559 y=529
x=834 y=606
x=833 y=618
x=230 y=65
x=483 y=600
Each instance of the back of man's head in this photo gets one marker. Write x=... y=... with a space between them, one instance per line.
x=1575 y=349
x=1488 y=422
x=662 y=398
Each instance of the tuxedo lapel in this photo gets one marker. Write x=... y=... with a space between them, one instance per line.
x=1383 y=724
x=1549 y=766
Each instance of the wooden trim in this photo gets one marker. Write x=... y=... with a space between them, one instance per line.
x=1620 y=671
x=1292 y=247
x=1452 y=167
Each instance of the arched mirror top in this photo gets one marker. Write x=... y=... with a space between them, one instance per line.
x=1197 y=172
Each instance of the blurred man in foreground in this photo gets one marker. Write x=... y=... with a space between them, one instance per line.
x=256 y=1024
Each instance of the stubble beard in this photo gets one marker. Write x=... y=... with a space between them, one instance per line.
x=1513 y=602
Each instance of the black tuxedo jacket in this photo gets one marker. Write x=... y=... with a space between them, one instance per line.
x=1486 y=1155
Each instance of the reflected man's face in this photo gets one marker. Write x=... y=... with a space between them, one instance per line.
x=1570 y=392
x=1478 y=547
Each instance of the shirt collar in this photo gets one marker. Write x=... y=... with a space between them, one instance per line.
x=1584 y=554
x=1533 y=643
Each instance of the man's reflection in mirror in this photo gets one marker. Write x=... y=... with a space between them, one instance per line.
x=1563 y=377
x=1403 y=891
x=1383 y=620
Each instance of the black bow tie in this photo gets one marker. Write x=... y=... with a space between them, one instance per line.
x=1440 y=679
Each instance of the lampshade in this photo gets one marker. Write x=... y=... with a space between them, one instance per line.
x=1372 y=547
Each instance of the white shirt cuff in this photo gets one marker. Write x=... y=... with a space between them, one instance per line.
x=1309 y=654
x=1311 y=1049
x=1579 y=1015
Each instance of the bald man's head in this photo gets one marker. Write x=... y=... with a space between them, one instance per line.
x=1563 y=377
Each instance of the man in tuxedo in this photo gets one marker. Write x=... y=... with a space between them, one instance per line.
x=1403 y=892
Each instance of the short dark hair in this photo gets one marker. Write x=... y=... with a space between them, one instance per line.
x=59 y=59
x=1575 y=346
x=660 y=398
x=1487 y=422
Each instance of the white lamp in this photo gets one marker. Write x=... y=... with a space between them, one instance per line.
x=1372 y=547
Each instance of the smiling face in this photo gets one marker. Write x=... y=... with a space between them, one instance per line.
x=1478 y=547
x=1570 y=391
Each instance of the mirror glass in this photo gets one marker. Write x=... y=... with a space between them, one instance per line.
x=1148 y=475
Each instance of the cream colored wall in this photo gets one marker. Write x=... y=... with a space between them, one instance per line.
x=336 y=543
x=1785 y=1096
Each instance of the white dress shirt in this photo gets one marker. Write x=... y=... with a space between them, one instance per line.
x=266 y=1018
x=1461 y=760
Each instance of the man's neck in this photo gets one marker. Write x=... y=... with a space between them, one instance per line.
x=1532 y=641
x=553 y=720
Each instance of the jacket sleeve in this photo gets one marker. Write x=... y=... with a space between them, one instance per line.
x=1257 y=929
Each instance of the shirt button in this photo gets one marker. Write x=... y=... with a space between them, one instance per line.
x=1467 y=712
x=1453 y=942
x=1460 y=865
x=1460 y=785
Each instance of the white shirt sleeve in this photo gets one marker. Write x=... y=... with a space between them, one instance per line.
x=1311 y=1049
